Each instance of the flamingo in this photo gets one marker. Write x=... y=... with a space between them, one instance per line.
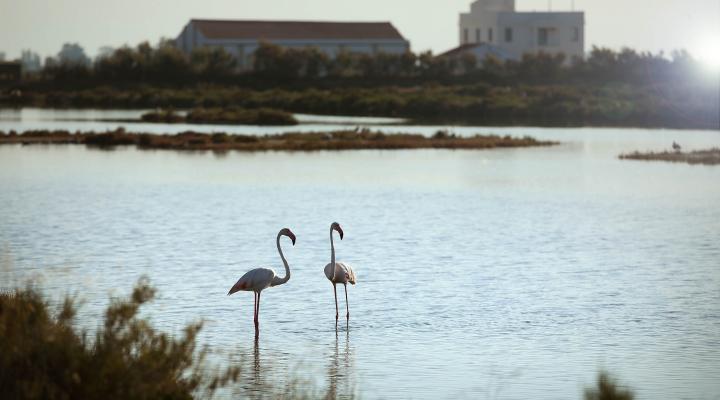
x=259 y=279
x=338 y=272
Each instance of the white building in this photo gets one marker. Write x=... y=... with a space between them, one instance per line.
x=495 y=22
x=241 y=38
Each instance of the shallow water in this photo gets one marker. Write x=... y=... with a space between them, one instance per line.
x=497 y=274
x=103 y=120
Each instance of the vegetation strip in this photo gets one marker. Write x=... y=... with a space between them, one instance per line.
x=706 y=157
x=233 y=115
x=311 y=141
x=473 y=102
x=606 y=88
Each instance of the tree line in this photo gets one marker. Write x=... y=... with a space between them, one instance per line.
x=165 y=64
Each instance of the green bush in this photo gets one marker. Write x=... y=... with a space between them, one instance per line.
x=43 y=356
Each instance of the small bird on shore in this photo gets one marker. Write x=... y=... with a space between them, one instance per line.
x=259 y=279
x=339 y=272
x=676 y=147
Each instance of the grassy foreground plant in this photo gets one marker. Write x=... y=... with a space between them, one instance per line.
x=43 y=356
x=607 y=389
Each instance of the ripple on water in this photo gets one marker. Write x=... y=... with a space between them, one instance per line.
x=512 y=274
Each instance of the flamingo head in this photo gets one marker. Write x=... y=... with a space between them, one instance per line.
x=336 y=226
x=287 y=232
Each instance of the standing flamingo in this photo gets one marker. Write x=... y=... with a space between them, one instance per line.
x=338 y=272
x=259 y=279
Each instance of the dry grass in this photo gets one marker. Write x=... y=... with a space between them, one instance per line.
x=706 y=157
x=313 y=141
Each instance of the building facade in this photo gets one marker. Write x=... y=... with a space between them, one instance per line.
x=242 y=38
x=478 y=50
x=495 y=22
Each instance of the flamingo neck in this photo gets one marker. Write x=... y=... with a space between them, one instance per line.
x=277 y=280
x=332 y=253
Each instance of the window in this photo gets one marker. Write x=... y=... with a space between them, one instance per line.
x=508 y=35
x=490 y=35
x=477 y=35
x=576 y=34
x=465 y=35
x=543 y=36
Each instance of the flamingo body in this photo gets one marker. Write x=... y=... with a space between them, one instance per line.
x=343 y=273
x=254 y=280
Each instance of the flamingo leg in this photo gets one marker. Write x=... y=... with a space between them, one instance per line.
x=346 y=303
x=336 y=306
x=257 y=315
x=255 y=297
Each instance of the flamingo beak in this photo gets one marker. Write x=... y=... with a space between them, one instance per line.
x=292 y=237
x=340 y=231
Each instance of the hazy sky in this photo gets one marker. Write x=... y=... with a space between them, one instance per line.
x=44 y=25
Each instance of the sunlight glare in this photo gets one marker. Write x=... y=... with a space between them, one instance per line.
x=708 y=52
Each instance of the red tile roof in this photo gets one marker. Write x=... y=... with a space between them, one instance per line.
x=270 y=30
x=460 y=49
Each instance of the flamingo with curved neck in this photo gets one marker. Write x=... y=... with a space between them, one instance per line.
x=339 y=272
x=277 y=280
x=259 y=279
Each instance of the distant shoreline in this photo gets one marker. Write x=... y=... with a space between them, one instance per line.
x=394 y=120
x=704 y=157
x=478 y=103
x=311 y=141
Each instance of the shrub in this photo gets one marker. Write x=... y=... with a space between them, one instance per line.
x=110 y=139
x=607 y=389
x=441 y=134
x=42 y=356
x=218 y=138
x=145 y=140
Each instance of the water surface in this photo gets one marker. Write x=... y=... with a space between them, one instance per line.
x=498 y=274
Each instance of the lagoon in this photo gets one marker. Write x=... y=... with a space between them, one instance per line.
x=502 y=274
